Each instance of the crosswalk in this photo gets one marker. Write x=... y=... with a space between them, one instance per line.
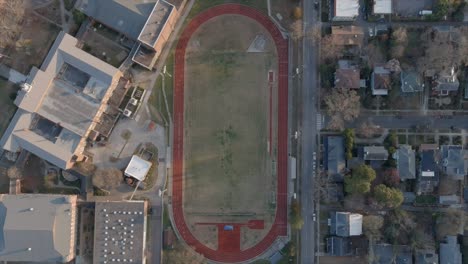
x=319 y=122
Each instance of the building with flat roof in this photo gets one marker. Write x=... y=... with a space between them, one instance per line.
x=334 y=157
x=120 y=232
x=450 y=251
x=345 y=224
x=38 y=228
x=149 y=22
x=345 y=10
x=382 y=7
x=61 y=103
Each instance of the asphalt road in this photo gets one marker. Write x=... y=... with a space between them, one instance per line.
x=429 y=122
x=308 y=136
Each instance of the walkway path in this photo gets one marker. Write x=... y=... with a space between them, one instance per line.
x=279 y=227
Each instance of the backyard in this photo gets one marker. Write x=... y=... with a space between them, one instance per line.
x=7 y=108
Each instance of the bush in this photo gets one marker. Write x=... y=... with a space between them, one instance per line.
x=297 y=13
x=78 y=17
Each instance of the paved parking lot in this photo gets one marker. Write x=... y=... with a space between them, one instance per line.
x=407 y=8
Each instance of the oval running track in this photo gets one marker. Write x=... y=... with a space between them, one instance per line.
x=279 y=227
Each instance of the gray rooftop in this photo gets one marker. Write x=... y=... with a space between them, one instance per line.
x=125 y=16
x=37 y=227
x=120 y=229
x=426 y=256
x=375 y=153
x=392 y=254
x=411 y=82
x=450 y=251
x=335 y=157
x=339 y=246
x=155 y=23
x=454 y=161
x=345 y=224
x=406 y=162
x=59 y=102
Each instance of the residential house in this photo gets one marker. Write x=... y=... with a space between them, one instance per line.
x=446 y=82
x=450 y=251
x=148 y=22
x=347 y=246
x=411 y=82
x=428 y=172
x=426 y=256
x=345 y=10
x=382 y=7
x=375 y=153
x=114 y=219
x=406 y=162
x=334 y=157
x=347 y=76
x=345 y=224
x=63 y=104
x=454 y=161
x=380 y=80
x=449 y=200
x=39 y=228
x=465 y=194
x=347 y=35
x=391 y=254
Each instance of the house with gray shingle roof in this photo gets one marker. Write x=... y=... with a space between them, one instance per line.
x=428 y=177
x=375 y=153
x=406 y=162
x=450 y=251
x=334 y=157
x=454 y=161
x=411 y=82
x=391 y=254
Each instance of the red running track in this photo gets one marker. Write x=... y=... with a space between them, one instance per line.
x=279 y=227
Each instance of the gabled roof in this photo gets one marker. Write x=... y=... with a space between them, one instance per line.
x=347 y=78
x=406 y=162
x=335 y=157
x=375 y=153
x=37 y=227
x=345 y=224
x=429 y=164
x=450 y=251
x=411 y=82
x=347 y=35
x=454 y=161
x=380 y=81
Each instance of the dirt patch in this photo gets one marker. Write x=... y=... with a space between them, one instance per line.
x=227 y=118
x=33 y=44
x=51 y=11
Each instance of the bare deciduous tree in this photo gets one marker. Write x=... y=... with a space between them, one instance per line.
x=182 y=255
x=107 y=178
x=341 y=105
x=14 y=173
x=296 y=30
x=330 y=50
x=367 y=129
x=12 y=12
x=400 y=40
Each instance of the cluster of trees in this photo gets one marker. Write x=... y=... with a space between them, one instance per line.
x=342 y=105
x=359 y=182
x=296 y=220
x=388 y=196
x=349 y=135
x=12 y=13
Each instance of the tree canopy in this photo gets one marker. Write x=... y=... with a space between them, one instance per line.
x=296 y=220
x=388 y=196
x=360 y=180
x=349 y=135
x=342 y=105
x=372 y=225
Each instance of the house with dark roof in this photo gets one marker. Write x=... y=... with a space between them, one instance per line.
x=454 y=161
x=446 y=82
x=406 y=162
x=429 y=171
x=450 y=251
x=391 y=254
x=380 y=80
x=411 y=82
x=334 y=157
x=148 y=22
x=426 y=256
x=347 y=246
x=375 y=153
x=345 y=224
x=347 y=76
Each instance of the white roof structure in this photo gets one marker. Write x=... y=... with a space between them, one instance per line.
x=428 y=173
x=38 y=228
x=355 y=224
x=60 y=102
x=138 y=168
x=346 y=9
x=383 y=7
